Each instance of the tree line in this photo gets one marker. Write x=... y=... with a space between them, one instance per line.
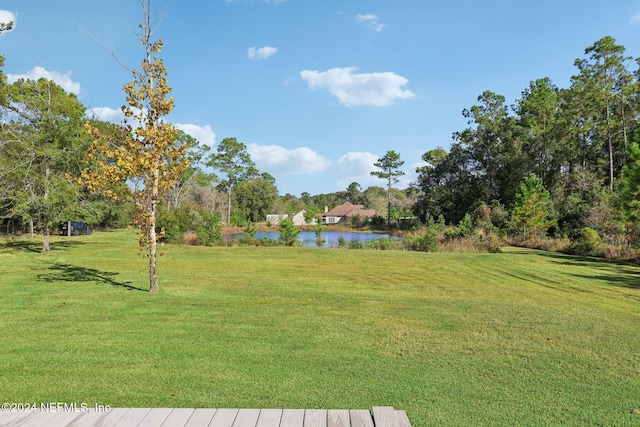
x=572 y=148
x=556 y=161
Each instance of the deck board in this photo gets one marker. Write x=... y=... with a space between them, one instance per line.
x=224 y=417
x=132 y=417
x=384 y=416
x=110 y=418
x=247 y=418
x=12 y=419
x=380 y=416
x=292 y=418
x=338 y=418
x=179 y=417
x=201 y=417
x=360 y=418
x=269 y=418
x=403 y=419
x=315 y=418
x=62 y=419
x=155 y=417
x=89 y=418
x=37 y=419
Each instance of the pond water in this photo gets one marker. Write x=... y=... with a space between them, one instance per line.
x=308 y=238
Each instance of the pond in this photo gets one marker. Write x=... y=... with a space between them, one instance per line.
x=331 y=238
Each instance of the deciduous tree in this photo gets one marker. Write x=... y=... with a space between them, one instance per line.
x=255 y=197
x=146 y=159
x=193 y=177
x=42 y=142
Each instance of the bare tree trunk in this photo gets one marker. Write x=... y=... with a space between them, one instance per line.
x=610 y=151
x=45 y=238
x=45 y=232
x=153 y=278
x=389 y=202
x=229 y=205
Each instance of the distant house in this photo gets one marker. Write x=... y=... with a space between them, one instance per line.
x=275 y=219
x=342 y=213
x=297 y=218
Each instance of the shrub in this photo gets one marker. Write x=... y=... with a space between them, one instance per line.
x=589 y=244
x=423 y=241
x=190 y=238
x=555 y=245
x=319 y=240
x=208 y=228
x=466 y=226
x=174 y=223
x=250 y=231
x=288 y=232
x=453 y=232
x=384 y=244
x=492 y=243
x=237 y=219
x=178 y=222
x=471 y=244
x=378 y=221
x=356 y=244
x=358 y=221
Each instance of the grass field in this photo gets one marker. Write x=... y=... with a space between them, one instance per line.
x=517 y=338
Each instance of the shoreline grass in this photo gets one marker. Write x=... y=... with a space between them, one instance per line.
x=522 y=337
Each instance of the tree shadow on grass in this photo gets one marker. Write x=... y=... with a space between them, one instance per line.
x=72 y=273
x=35 y=245
x=616 y=273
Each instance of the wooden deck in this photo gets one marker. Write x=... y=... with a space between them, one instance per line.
x=380 y=416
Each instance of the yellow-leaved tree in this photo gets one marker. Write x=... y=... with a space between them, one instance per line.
x=143 y=160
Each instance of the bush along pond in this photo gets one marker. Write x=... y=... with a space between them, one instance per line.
x=328 y=239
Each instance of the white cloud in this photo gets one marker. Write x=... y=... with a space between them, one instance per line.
x=357 y=167
x=377 y=89
x=111 y=115
x=417 y=165
x=370 y=21
x=282 y=161
x=106 y=114
x=62 y=80
x=635 y=19
x=6 y=17
x=261 y=53
x=203 y=134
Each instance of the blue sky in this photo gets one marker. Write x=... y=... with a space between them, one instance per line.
x=317 y=89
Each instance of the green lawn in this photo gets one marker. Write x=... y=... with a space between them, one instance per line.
x=517 y=338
